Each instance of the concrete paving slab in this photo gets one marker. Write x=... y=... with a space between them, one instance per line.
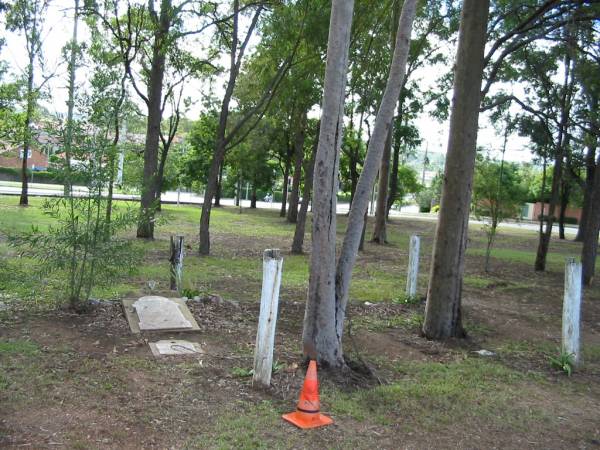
x=175 y=347
x=155 y=313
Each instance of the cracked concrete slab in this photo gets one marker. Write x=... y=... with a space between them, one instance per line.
x=155 y=313
x=175 y=347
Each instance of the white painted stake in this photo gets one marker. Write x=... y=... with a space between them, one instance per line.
x=572 y=310
x=269 y=302
x=413 y=266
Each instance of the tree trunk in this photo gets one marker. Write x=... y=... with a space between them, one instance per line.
x=24 y=200
x=564 y=203
x=216 y=167
x=361 y=245
x=71 y=104
x=590 y=241
x=155 y=85
x=561 y=145
x=292 y=212
x=298 y=242
x=379 y=231
x=393 y=194
x=587 y=192
x=253 y=197
x=160 y=177
x=320 y=338
x=217 y=201
x=383 y=123
x=238 y=191
x=353 y=166
x=443 y=308
x=286 y=176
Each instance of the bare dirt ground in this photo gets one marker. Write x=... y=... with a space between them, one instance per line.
x=84 y=381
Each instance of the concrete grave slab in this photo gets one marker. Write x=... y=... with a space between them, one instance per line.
x=174 y=347
x=154 y=313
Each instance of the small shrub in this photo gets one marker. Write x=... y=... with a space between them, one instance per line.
x=405 y=299
x=564 y=362
x=242 y=372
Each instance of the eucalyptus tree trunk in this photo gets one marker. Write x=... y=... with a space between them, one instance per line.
x=561 y=145
x=443 y=308
x=379 y=230
x=590 y=242
x=27 y=135
x=155 y=87
x=587 y=194
x=321 y=341
x=218 y=190
x=383 y=123
x=591 y=168
x=394 y=187
x=253 y=197
x=160 y=175
x=564 y=203
x=292 y=212
x=286 y=178
x=68 y=183
x=298 y=242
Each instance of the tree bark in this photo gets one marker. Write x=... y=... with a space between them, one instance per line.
x=443 y=308
x=160 y=177
x=286 y=177
x=379 y=231
x=24 y=200
x=590 y=242
x=292 y=212
x=253 y=197
x=589 y=187
x=564 y=203
x=238 y=191
x=298 y=242
x=383 y=123
x=155 y=85
x=320 y=338
x=217 y=201
x=393 y=194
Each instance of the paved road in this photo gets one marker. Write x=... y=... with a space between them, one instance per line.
x=50 y=190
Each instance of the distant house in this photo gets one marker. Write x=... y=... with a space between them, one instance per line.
x=532 y=211
x=12 y=158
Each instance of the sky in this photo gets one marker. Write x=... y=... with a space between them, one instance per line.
x=58 y=30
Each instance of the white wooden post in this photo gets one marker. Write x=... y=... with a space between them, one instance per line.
x=413 y=266
x=269 y=302
x=176 y=260
x=572 y=310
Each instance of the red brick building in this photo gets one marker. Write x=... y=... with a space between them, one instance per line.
x=12 y=158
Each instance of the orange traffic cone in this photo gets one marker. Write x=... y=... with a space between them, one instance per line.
x=307 y=414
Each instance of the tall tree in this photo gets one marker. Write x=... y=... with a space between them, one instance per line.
x=73 y=56
x=443 y=308
x=27 y=17
x=231 y=132
x=151 y=40
x=383 y=123
x=379 y=228
x=590 y=242
x=319 y=335
x=328 y=293
x=309 y=166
